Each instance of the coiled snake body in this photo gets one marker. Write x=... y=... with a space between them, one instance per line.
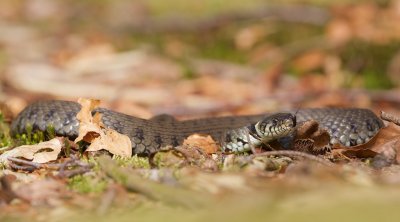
x=346 y=126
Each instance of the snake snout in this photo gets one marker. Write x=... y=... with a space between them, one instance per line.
x=276 y=125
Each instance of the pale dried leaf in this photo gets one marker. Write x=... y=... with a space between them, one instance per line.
x=87 y=106
x=37 y=153
x=114 y=142
x=206 y=143
x=92 y=130
x=89 y=127
x=387 y=154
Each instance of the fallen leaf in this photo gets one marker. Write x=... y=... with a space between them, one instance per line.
x=309 y=61
x=384 y=135
x=38 y=153
x=114 y=142
x=388 y=154
x=376 y=145
x=206 y=143
x=88 y=128
x=92 y=130
x=311 y=138
x=339 y=31
x=247 y=37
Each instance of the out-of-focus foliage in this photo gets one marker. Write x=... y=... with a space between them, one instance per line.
x=362 y=38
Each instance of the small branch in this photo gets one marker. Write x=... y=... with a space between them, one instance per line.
x=22 y=168
x=71 y=173
x=14 y=161
x=67 y=169
x=390 y=117
x=295 y=154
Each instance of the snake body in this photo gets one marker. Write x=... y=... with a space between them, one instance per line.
x=349 y=127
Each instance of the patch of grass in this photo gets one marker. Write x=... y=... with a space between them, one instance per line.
x=5 y=138
x=33 y=136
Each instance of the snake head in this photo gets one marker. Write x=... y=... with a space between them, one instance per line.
x=274 y=126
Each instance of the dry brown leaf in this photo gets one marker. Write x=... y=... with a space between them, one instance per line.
x=309 y=61
x=114 y=142
x=92 y=130
x=376 y=145
x=88 y=129
x=247 y=37
x=339 y=31
x=38 y=153
x=388 y=154
x=311 y=138
x=384 y=135
x=206 y=143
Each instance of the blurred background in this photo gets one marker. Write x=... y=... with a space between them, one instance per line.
x=201 y=58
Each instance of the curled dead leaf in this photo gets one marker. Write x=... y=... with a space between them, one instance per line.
x=206 y=143
x=88 y=124
x=91 y=130
x=378 y=144
x=384 y=135
x=114 y=142
x=311 y=138
x=388 y=154
x=38 y=153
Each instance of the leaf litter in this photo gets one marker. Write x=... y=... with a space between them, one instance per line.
x=198 y=165
x=277 y=184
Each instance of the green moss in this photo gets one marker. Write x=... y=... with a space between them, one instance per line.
x=87 y=184
x=134 y=162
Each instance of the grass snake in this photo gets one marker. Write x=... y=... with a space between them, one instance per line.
x=347 y=126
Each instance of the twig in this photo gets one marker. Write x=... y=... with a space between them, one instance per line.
x=71 y=173
x=22 y=168
x=292 y=153
x=33 y=165
x=64 y=172
x=390 y=117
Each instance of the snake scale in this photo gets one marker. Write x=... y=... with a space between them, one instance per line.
x=349 y=127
